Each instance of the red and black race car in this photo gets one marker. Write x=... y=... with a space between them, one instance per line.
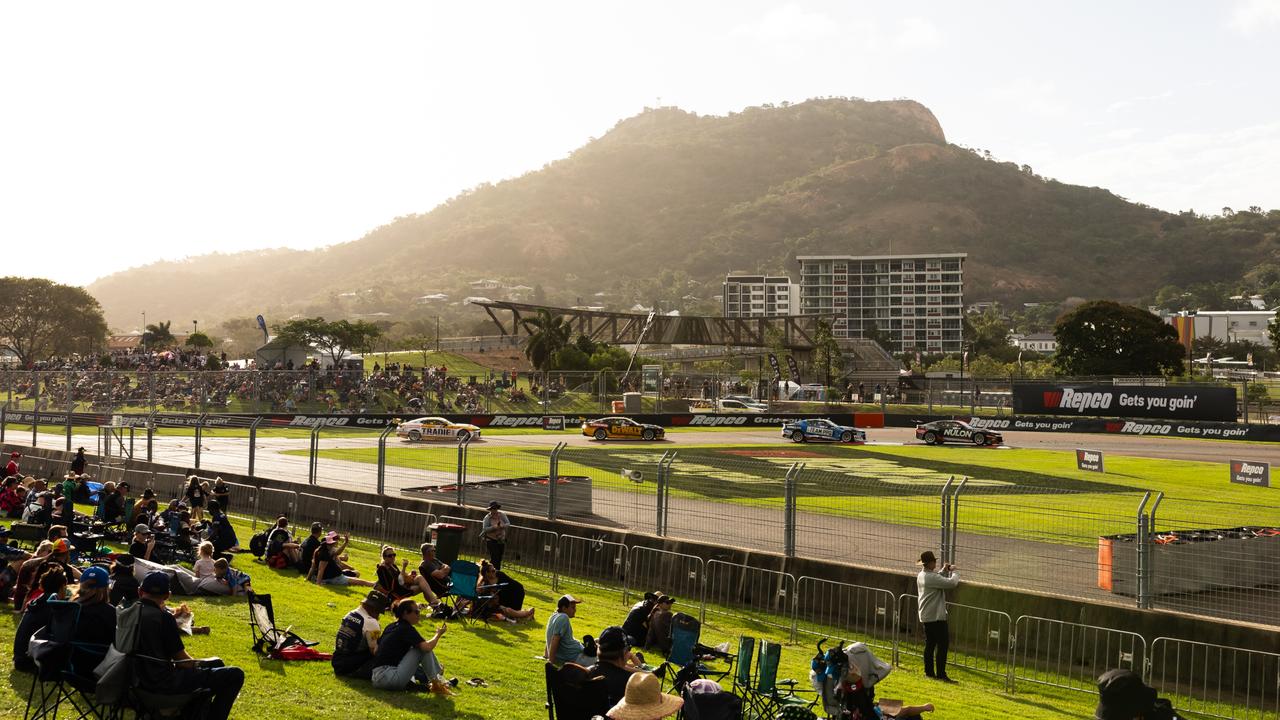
x=956 y=431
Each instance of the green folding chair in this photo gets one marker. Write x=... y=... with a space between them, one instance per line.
x=770 y=697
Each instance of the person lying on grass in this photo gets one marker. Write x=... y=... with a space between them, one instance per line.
x=404 y=659
x=328 y=570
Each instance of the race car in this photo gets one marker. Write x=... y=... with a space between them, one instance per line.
x=821 y=430
x=621 y=428
x=436 y=428
x=957 y=431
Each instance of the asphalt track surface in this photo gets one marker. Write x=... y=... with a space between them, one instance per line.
x=1018 y=563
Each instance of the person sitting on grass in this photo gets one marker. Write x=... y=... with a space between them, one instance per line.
x=282 y=551
x=433 y=576
x=616 y=662
x=124 y=586
x=144 y=543
x=176 y=672
x=221 y=533
x=140 y=507
x=397 y=582
x=203 y=566
x=307 y=550
x=660 y=625
x=506 y=596
x=406 y=660
x=637 y=623
x=357 y=639
x=328 y=571
x=52 y=585
x=562 y=647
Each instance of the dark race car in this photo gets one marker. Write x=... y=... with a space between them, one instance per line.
x=621 y=428
x=821 y=430
x=956 y=431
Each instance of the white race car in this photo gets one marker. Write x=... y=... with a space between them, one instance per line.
x=436 y=428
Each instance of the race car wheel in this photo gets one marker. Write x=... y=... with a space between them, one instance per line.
x=979 y=439
x=600 y=434
x=847 y=437
x=930 y=438
x=646 y=434
x=464 y=434
x=797 y=436
x=414 y=435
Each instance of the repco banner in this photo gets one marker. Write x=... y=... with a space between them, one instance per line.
x=1128 y=401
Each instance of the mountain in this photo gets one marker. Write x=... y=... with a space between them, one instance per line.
x=667 y=202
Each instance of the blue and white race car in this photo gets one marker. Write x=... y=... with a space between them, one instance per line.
x=821 y=430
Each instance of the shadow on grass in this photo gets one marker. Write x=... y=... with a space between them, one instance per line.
x=415 y=702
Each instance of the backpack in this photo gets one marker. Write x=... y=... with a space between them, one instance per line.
x=258 y=544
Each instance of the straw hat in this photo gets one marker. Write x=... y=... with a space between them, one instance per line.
x=645 y=700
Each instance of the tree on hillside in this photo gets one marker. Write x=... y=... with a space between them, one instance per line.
x=157 y=335
x=1106 y=338
x=335 y=338
x=826 y=351
x=199 y=341
x=549 y=335
x=987 y=333
x=42 y=318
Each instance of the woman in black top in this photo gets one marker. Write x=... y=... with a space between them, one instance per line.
x=405 y=656
x=222 y=493
x=196 y=490
x=96 y=628
x=53 y=585
x=124 y=586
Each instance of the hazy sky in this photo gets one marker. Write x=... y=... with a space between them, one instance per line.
x=131 y=132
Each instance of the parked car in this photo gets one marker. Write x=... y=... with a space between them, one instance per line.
x=821 y=430
x=436 y=428
x=956 y=431
x=621 y=428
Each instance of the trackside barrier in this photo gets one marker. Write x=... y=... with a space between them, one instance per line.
x=1215 y=680
x=407 y=527
x=532 y=550
x=824 y=608
x=362 y=521
x=1071 y=655
x=979 y=637
x=673 y=573
x=273 y=503
x=762 y=595
x=316 y=508
x=242 y=503
x=592 y=562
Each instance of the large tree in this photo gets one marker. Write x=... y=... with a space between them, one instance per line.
x=1106 y=338
x=826 y=351
x=42 y=318
x=335 y=338
x=550 y=334
x=157 y=335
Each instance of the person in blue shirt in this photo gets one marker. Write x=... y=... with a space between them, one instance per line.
x=562 y=647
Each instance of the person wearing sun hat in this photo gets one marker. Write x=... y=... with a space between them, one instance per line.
x=644 y=700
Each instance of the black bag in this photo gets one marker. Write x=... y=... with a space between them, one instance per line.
x=258 y=544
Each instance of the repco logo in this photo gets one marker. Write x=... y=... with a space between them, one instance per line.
x=717 y=421
x=1245 y=468
x=1146 y=428
x=314 y=422
x=988 y=423
x=1068 y=399
x=509 y=421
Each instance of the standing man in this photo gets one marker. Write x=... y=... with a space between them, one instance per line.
x=494 y=532
x=68 y=499
x=931 y=600
x=562 y=647
x=79 y=462
x=159 y=637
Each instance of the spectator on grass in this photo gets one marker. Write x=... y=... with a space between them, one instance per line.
x=203 y=566
x=494 y=531
x=110 y=504
x=562 y=647
x=195 y=494
x=282 y=551
x=307 y=550
x=140 y=507
x=159 y=637
x=357 y=639
x=637 y=623
x=222 y=494
x=404 y=657
x=52 y=585
x=39 y=509
x=144 y=543
x=328 y=571
x=1123 y=696
x=506 y=595
x=96 y=628
x=433 y=575
x=10 y=500
x=659 y=637
x=397 y=582
x=79 y=462
x=124 y=586
x=617 y=662
x=931 y=608
x=228 y=580
x=221 y=533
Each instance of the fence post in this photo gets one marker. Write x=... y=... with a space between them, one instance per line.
x=553 y=481
x=70 y=406
x=313 y=456
x=199 y=436
x=35 y=419
x=1142 y=551
x=253 y=442
x=461 y=479
x=945 y=520
x=789 y=510
x=1151 y=551
x=955 y=520
x=662 y=483
x=151 y=433
x=4 y=420
x=666 y=490
x=382 y=459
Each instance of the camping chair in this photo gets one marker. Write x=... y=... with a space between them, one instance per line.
x=267 y=637
x=58 y=679
x=568 y=701
x=465 y=578
x=685 y=630
x=742 y=670
x=764 y=697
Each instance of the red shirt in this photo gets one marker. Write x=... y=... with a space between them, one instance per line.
x=11 y=469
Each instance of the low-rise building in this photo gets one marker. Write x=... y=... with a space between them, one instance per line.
x=1230 y=325
x=1036 y=342
x=760 y=296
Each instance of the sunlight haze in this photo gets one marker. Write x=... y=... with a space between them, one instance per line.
x=133 y=132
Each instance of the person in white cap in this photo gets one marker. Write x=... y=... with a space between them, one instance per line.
x=645 y=700
x=562 y=646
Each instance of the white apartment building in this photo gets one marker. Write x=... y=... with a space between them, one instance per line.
x=1233 y=325
x=760 y=296
x=918 y=299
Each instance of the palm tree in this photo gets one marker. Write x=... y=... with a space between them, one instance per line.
x=550 y=335
x=157 y=335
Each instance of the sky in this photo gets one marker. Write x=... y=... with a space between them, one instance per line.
x=140 y=131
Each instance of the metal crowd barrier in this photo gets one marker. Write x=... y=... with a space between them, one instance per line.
x=824 y=608
x=1216 y=680
x=764 y=595
x=407 y=527
x=980 y=637
x=362 y=521
x=673 y=573
x=1071 y=655
x=591 y=562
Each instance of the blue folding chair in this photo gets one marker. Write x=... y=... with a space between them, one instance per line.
x=465 y=577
